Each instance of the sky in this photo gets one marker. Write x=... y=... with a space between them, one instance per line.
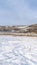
x=18 y=12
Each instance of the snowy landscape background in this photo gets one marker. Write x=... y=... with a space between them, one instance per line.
x=18 y=32
x=18 y=50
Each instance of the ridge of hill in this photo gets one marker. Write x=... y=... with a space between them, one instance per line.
x=21 y=29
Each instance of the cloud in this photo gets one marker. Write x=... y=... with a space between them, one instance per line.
x=18 y=12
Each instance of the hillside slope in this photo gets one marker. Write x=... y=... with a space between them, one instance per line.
x=21 y=29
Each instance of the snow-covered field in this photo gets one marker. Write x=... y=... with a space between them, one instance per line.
x=18 y=50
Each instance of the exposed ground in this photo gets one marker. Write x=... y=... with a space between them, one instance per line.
x=20 y=30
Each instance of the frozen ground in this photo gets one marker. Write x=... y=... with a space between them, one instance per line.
x=18 y=50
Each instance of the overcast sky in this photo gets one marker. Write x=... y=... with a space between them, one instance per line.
x=18 y=12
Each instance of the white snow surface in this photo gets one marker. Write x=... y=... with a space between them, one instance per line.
x=18 y=50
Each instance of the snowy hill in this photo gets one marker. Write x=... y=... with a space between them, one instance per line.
x=19 y=30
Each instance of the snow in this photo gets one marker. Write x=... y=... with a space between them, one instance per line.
x=18 y=50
